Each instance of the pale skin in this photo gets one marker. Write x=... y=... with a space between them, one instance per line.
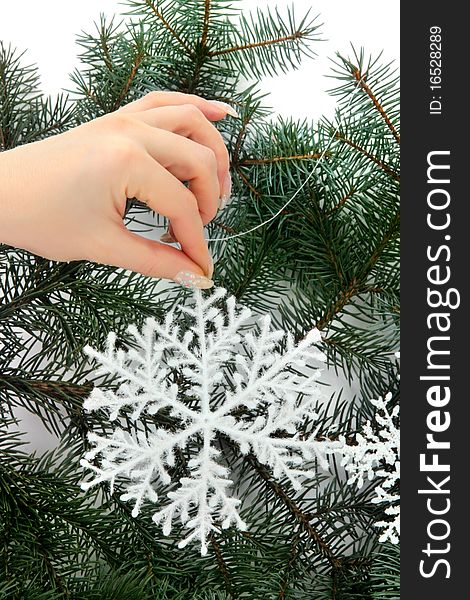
x=64 y=197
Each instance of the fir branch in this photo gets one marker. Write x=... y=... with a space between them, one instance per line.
x=59 y=583
x=370 y=156
x=290 y=564
x=391 y=234
x=168 y=26
x=205 y=29
x=125 y=90
x=344 y=298
x=247 y=182
x=275 y=159
x=363 y=85
x=328 y=256
x=224 y=227
x=298 y=35
x=221 y=562
x=94 y=98
x=242 y=133
x=302 y=518
x=52 y=389
x=342 y=202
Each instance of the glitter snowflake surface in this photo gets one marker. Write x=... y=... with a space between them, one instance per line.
x=377 y=454
x=236 y=378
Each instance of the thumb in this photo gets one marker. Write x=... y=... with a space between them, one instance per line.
x=130 y=251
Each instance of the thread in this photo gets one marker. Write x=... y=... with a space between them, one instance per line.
x=318 y=162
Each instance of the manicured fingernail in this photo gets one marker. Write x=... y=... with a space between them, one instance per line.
x=167 y=238
x=210 y=268
x=226 y=191
x=192 y=280
x=226 y=107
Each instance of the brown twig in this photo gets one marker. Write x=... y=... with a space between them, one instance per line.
x=94 y=98
x=107 y=59
x=60 y=585
x=343 y=298
x=296 y=36
x=221 y=562
x=360 y=78
x=343 y=201
x=167 y=25
x=205 y=29
x=225 y=228
x=239 y=141
x=248 y=182
x=290 y=563
x=370 y=156
x=302 y=518
x=50 y=388
x=275 y=159
x=393 y=231
x=137 y=62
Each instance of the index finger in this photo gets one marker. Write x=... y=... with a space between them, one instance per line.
x=214 y=110
x=151 y=183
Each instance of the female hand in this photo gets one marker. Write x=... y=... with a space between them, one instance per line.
x=64 y=197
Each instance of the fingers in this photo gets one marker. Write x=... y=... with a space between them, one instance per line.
x=153 y=184
x=188 y=121
x=212 y=109
x=135 y=253
x=187 y=161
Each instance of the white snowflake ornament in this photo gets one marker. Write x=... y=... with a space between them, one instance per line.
x=234 y=380
x=366 y=460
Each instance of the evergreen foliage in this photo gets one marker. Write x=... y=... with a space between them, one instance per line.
x=330 y=260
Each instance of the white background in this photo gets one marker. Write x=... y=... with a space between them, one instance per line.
x=46 y=29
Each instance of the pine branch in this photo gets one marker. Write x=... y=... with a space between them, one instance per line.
x=52 y=389
x=298 y=35
x=370 y=156
x=125 y=90
x=261 y=161
x=205 y=29
x=287 y=573
x=391 y=234
x=363 y=85
x=151 y=4
x=242 y=133
x=345 y=297
x=221 y=562
x=302 y=518
x=248 y=183
x=342 y=202
x=224 y=227
x=332 y=255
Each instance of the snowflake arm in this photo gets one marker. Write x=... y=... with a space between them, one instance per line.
x=266 y=376
x=143 y=382
x=367 y=458
x=141 y=459
x=205 y=488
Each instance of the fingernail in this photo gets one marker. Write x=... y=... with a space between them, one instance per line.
x=226 y=107
x=191 y=280
x=226 y=192
x=167 y=238
x=210 y=268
